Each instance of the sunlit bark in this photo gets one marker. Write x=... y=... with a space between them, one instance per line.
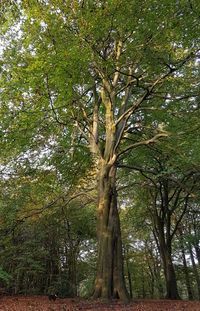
x=110 y=276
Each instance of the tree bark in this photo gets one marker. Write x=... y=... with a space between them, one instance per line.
x=196 y=273
x=162 y=225
x=187 y=278
x=72 y=274
x=170 y=276
x=129 y=279
x=185 y=267
x=197 y=250
x=169 y=272
x=110 y=282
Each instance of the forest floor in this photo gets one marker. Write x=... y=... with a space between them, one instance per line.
x=41 y=303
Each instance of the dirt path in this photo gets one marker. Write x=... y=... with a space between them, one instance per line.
x=41 y=303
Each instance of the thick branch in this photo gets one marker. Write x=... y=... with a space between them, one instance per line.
x=118 y=53
x=181 y=216
x=143 y=143
x=95 y=124
x=149 y=90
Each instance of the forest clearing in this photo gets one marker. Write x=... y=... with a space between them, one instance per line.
x=43 y=304
x=100 y=155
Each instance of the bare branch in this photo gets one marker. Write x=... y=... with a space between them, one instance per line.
x=149 y=90
x=136 y=168
x=181 y=216
x=51 y=103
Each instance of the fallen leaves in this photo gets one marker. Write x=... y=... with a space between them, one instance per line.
x=41 y=303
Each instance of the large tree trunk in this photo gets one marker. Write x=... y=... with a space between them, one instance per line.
x=170 y=277
x=110 y=281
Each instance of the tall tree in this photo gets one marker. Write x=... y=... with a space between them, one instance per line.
x=82 y=73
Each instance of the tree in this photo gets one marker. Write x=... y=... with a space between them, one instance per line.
x=190 y=237
x=143 y=262
x=41 y=243
x=130 y=54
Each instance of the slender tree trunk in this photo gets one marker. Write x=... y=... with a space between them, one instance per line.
x=197 y=250
x=196 y=273
x=187 y=278
x=72 y=274
x=110 y=275
x=72 y=259
x=157 y=268
x=129 y=276
x=185 y=267
x=160 y=288
x=162 y=224
x=152 y=281
x=169 y=272
x=195 y=242
x=158 y=280
x=130 y=283
x=143 y=285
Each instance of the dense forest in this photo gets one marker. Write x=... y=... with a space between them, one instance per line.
x=99 y=140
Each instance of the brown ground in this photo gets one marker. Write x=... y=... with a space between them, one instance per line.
x=41 y=303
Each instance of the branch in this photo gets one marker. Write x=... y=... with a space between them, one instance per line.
x=181 y=216
x=136 y=168
x=122 y=125
x=150 y=89
x=181 y=183
x=143 y=143
x=132 y=109
x=81 y=130
x=51 y=103
x=118 y=53
x=94 y=135
x=35 y=212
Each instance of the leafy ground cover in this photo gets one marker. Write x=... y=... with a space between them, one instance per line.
x=41 y=303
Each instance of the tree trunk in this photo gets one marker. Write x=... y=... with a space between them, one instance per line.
x=169 y=272
x=197 y=250
x=196 y=273
x=187 y=278
x=185 y=267
x=72 y=274
x=109 y=281
x=152 y=281
x=129 y=279
x=170 y=276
